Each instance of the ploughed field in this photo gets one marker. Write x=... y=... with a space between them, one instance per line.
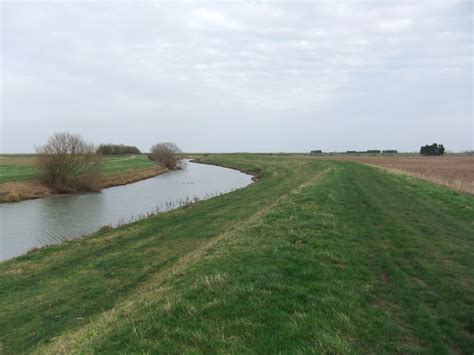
x=452 y=170
x=18 y=181
x=316 y=256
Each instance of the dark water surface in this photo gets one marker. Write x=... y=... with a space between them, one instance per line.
x=35 y=223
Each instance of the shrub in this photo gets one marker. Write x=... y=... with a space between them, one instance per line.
x=67 y=163
x=167 y=154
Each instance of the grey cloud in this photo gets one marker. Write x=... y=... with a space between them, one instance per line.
x=239 y=76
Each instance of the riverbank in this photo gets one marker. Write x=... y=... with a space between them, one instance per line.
x=33 y=189
x=317 y=256
x=255 y=172
x=18 y=182
x=50 y=221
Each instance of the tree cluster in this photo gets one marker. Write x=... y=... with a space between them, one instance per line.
x=433 y=149
x=117 y=149
x=67 y=164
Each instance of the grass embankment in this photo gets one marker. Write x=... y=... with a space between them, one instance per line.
x=17 y=176
x=316 y=256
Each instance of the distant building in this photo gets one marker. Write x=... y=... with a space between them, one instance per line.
x=390 y=151
x=313 y=152
x=373 y=151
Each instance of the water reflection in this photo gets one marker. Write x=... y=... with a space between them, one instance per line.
x=28 y=224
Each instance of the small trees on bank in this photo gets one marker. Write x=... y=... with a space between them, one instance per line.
x=167 y=154
x=67 y=163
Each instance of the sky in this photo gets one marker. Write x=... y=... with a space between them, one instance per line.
x=239 y=76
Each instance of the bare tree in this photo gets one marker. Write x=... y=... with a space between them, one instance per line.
x=67 y=163
x=167 y=154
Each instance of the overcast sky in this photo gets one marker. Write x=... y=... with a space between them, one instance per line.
x=239 y=76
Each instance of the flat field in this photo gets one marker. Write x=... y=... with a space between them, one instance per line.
x=452 y=170
x=16 y=167
x=316 y=256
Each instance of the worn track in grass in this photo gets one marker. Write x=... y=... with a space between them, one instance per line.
x=315 y=257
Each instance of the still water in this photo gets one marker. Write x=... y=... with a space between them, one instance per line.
x=35 y=223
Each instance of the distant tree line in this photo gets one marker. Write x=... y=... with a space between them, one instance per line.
x=117 y=149
x=433 y=149
x=370 y=151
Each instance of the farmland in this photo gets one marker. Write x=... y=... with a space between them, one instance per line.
x=16 y=167
x=453 y=170
x=17 y=175
x=317 y=256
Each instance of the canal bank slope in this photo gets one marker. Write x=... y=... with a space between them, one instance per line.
x=317 y=256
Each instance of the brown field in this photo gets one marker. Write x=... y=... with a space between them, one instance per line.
x=454 y=171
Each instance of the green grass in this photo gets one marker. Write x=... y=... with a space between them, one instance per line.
x=13 y=170
x=16 y=173
x=118 y=164
x=317 y=256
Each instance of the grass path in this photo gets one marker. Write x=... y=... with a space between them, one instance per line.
x=315 y=257
x=156 y=288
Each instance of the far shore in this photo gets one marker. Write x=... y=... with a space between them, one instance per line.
x=16 y=191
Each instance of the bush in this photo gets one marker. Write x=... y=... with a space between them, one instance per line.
x=167 y=154
x=117 y=149
x=67 y=163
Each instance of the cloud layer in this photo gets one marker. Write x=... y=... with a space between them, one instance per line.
x=239 y=76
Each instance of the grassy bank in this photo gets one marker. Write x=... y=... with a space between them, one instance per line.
x=316 y=256
x=17 y=175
